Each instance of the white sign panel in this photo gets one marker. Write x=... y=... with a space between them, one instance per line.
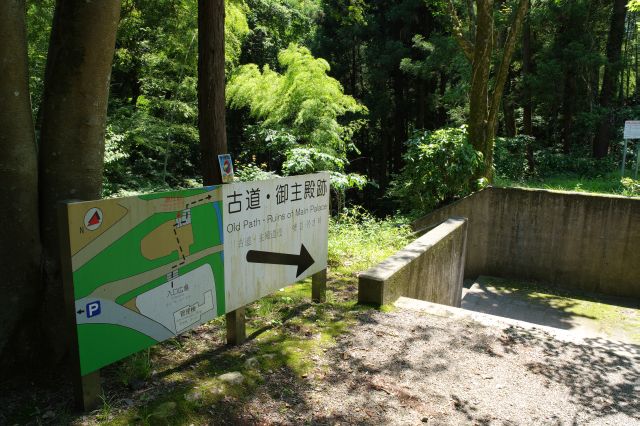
x=275 y=233
x=632 y=129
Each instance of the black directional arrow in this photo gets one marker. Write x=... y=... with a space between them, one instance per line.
x=303 y=260
x=81 y=311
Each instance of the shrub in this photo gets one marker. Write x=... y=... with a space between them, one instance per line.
x=510 y=160
x=631 y=187
x=510 y=157
x=438 y=167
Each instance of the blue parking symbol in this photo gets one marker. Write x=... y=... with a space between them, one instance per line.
x=93 y=309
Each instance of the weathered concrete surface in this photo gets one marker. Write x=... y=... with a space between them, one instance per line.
x=431 y=268
x=584 y=241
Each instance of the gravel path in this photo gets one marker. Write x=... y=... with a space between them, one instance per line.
x=406 y=367
x=409 y=367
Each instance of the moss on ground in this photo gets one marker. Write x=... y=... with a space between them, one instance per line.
x=611 y=318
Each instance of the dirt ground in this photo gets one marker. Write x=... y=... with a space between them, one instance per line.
x=407 y=368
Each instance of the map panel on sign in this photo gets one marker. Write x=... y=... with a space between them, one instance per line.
x=144 y=270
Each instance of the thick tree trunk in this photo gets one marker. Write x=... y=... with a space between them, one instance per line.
x=19 y=235
x=211 y=101
x=604 y=132
x=73 y=125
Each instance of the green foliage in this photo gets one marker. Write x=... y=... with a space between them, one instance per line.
x=631 y=187
x=510 y=157
x=152 y=137
x=298 y=112
x=251 y=172
x=39 y=17
x=357 y=240
x=275 y=24
x=439 y=167
x=303 y=100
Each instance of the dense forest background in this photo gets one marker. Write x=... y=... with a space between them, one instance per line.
x=358 y=87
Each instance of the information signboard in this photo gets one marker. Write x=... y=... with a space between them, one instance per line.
x=145 y=269
x=275 y=232
x=632 y=129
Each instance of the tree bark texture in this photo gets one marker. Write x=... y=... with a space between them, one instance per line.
x=211 y=82
x=19 y=235
x=527 y=122
x=479 y=92
x=74 y=107
x=500 y=80
x=604 y=133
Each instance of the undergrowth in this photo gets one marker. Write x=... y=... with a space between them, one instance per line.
x=357 y=240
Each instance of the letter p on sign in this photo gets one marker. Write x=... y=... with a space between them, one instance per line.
x=93 y=309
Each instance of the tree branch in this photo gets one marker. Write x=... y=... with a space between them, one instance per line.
x=509 y=47
x=465 y=45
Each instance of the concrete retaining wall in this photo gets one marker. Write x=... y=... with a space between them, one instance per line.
x=584 y=241
x=431 y=268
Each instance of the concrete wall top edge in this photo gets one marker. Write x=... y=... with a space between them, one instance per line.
x=402 y=258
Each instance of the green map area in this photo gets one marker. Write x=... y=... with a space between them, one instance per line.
x=145 y=269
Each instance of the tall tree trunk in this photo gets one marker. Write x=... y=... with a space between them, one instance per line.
x=527 y=122
x=609 y=82
x=479 y=92
x=73 y=125
x=211 y=101
x=421 y=101
x=19 y=236
x=508 y=109
x=527 y=113
x=568 y=108
x=500 y=79
x=400 y=121
x=483 y=110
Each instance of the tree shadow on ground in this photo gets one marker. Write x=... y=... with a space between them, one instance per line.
x=547 y=305
x=603 y=376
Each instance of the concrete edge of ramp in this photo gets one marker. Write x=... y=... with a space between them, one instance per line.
x=502 y=323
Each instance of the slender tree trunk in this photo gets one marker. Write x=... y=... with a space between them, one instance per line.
x=568 y=108
x=527 y=122
x=19 y=235
x=211 y=101
x=479 y=92
x=73 y=126
x=483 y=110
x=500 y=79
x=421 y=100
x=508 y=109
x=527 y=113
x=442 y=90
x=604 y=133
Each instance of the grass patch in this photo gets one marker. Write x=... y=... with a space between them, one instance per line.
x=607 y=184
x=358 y=240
